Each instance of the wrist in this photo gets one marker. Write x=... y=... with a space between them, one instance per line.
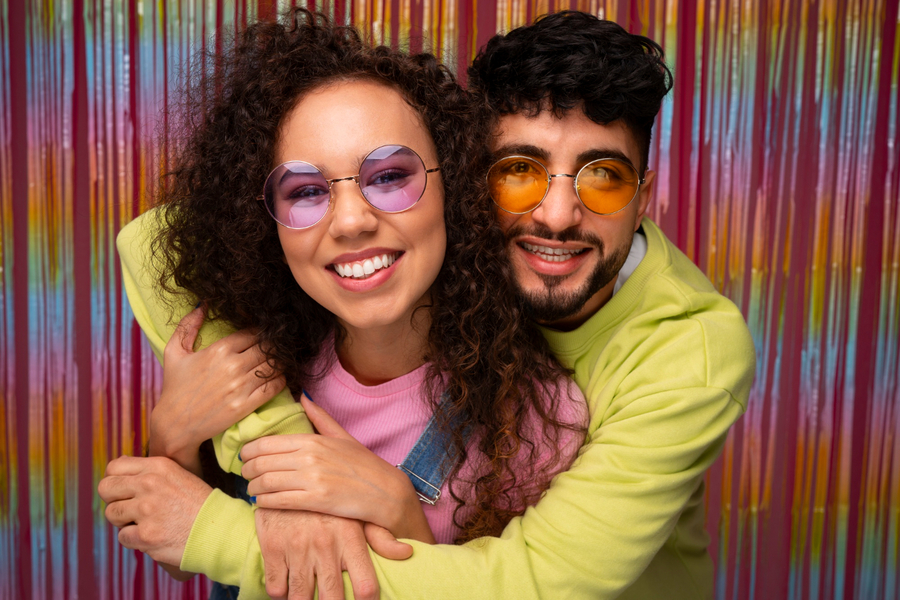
x=163 y=443
x=407 y=519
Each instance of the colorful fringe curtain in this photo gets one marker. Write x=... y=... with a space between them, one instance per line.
x=778 y=155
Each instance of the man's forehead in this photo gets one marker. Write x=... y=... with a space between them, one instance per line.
x=570 y=137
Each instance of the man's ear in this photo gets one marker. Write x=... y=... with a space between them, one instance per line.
x=644 y=195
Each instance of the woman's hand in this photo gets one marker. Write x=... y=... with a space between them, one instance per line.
x=206 y=392
x=332 y=473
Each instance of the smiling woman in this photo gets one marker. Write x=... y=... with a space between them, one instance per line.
x=329 y=200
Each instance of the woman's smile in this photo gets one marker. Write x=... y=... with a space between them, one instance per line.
x=365 y=264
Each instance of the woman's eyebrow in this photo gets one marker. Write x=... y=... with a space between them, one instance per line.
x=288 y=175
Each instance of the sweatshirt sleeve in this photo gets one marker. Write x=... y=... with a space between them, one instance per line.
x=223 y=545
x=158 y=313
x=590 y=536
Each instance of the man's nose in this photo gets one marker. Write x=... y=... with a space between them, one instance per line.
x=561 y=208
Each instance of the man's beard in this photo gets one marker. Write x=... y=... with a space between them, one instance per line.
x=552 y=304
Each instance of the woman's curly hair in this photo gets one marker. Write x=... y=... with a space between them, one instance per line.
x=219 y=244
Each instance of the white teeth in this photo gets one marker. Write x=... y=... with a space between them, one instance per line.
x=361 y=270
x=552 y=254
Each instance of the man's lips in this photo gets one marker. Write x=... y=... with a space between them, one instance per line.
x=549 y=258
x=551 y=254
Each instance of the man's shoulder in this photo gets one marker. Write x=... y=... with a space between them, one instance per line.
x=134 y=239
x=670 y=322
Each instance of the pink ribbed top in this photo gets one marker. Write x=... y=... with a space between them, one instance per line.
x=389 y=418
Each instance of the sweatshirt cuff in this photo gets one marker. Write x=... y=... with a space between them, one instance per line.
x=222 y=535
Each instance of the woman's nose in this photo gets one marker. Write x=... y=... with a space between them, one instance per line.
x=352 y=214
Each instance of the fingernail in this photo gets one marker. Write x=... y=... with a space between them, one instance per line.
x=252 y=499
x=198 y=304
x=239 y=457
x=305 y=393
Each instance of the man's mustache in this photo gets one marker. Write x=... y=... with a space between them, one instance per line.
x=572 y=234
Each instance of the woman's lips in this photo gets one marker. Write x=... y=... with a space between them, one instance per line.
x=365 y=268
x=349 y=270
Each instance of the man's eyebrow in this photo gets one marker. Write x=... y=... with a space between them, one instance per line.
x=598 y=153
x=521 y=150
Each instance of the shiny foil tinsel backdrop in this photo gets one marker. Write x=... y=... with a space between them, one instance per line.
x=779 y=161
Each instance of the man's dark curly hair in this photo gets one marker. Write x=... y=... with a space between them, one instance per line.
x=218 y=243
x=570 y=58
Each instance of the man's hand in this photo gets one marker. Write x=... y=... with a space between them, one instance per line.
x=154 y=503
x=207 y=391
x=332 y=473
x=304 y=550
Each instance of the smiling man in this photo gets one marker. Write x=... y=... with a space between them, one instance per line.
x=665 y=362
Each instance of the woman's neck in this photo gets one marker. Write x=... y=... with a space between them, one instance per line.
x=375 y=356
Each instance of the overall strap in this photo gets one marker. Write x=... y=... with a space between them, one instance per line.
x=432 y=458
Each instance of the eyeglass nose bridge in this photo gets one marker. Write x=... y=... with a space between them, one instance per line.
x=550 y=176
x=331 y=182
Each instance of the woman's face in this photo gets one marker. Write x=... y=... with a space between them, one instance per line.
x=334 y=128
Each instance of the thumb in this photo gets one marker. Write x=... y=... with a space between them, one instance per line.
x=185 y=334
x=385 y=544
x=322 y=421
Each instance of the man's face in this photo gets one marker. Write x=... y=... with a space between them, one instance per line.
x=565 y=257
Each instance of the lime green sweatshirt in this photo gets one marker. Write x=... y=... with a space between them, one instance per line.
x=666 y=367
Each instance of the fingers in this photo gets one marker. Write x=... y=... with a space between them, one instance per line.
x=267 y=390
x=115 y=488
x=129 y=537
x=278 y=465
x=328 y=579
x=276 y=576
x=385 y=544
x=288 y=500
x=241 y=341
x=322 y=421
x=121 y=513
x=301 y=584
x=359 y=567
x=273 y=444
x=185 y=335
x=126 y=465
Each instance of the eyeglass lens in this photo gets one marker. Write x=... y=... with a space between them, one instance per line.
x=391 y=178
x=518 y=184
